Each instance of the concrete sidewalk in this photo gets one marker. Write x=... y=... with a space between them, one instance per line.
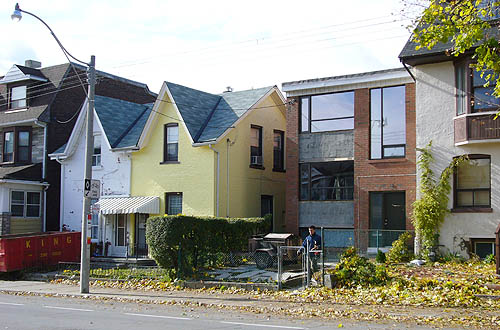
x=261 y=303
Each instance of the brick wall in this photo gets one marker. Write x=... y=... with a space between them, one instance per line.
x=4 y=223
x=385 y=174
x=292 y=166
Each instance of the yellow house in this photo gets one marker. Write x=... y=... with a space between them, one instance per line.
x=214 y=155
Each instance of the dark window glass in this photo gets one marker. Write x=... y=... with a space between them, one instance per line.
x=483 y=249
x=8 y=147
x=483 y=99
x=121 y=230
x=278 y=150
x=387 y=122
x=174 y=203
x=304 y=114
x=473 y=182
x=461 y=90
x=32 y=204
x=17 y=203
x=23 y=146
x=256 y=145
x=171 y=142
x=304 y=181
x=96 y=156
x=327 y=181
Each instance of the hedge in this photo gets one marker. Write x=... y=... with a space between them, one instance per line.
x=187 y=242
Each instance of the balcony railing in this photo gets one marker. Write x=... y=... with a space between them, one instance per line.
x=472 y=128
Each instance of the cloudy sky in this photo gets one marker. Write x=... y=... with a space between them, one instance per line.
x=209 y=45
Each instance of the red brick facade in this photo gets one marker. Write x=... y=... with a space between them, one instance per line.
x=384 y=174
x=292 y=166
x=369 y=175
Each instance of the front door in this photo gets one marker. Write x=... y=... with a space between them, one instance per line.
x=387 y=217
x=266 y=207
x=120 y=236
x=141 y=249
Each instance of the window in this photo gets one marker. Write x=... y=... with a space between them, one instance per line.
x=256 y=146
x=173 y=203
x=25 y=204
x=17 y=145
x=94 y=224
x=387 y=122
x=18 y=97
x=473 y=182
x=483 y=247
x=327 y=112
x=96 y=155
x=471 y=94
x=171 y=148
x=327 y=181
x=278 y=151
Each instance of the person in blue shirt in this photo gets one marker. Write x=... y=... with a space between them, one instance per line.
x=314 y=242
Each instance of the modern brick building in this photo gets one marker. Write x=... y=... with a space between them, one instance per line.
x=350 y=146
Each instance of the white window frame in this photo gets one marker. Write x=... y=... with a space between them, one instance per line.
x=25 y=203
x=18 y=102
x=97 y=158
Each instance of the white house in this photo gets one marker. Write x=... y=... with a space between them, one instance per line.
x=118 y=224
x=456 y=113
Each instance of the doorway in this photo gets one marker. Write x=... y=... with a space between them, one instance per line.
x=120 y=235
x=387 y=217
x=141 y=248
x=266 y=207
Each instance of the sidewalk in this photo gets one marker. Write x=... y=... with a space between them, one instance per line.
x=262 y=303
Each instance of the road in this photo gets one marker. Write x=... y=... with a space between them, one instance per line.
x=36 y=312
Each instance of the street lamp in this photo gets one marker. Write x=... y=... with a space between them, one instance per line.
x=89 y=142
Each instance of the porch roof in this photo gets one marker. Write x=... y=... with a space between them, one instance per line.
x=129 y=205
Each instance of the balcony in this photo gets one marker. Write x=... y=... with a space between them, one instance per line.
x=476 y=128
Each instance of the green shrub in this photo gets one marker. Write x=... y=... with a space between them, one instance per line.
x=399 y=251
x=489 y=259
x=186 y=242
x=380 y=258
x=353 y=270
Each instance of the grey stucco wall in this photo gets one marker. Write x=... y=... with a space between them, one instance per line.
x=327 y=146
x=337 y=214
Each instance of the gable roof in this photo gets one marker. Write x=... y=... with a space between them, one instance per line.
x=122 y=121
x=21 y=73
x=207 y=116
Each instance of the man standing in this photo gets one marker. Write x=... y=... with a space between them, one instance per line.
x=312 y=242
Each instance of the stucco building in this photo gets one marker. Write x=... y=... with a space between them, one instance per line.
x=457 y=113
x=351 y=155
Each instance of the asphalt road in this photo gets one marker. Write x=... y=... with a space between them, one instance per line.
x=36 y=312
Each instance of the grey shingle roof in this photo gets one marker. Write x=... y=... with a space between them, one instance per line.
x=207 y=116
x=121 y=120
x=23 y=172
x=30 y=71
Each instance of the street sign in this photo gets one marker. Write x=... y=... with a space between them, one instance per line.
x=92 y=189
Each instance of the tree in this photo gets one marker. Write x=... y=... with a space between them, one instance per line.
x=468 y=25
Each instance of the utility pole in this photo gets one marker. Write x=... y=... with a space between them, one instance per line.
x=87 y=179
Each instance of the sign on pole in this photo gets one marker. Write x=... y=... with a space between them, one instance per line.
x=92 y=189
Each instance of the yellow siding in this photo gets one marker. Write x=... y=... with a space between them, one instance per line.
x=21 y=226
x=193 y=175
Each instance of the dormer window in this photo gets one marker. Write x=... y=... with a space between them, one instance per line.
x=17 y=97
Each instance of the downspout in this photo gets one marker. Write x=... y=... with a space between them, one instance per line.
x=409 y=72
x=44 y=173
x=218 y=177
x=61 y=212
x=227 y=179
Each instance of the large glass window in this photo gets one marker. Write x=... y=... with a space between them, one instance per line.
x=25 y=204
x=171 y=147
x=327 y=181
x=387 y=122
x=18 y=97
x=327 y=112
x=256 y=145
x=173 y=203
x=96 y=156
x=472 y=95
x=473 y=182
x=278 y=151
x=8 y=146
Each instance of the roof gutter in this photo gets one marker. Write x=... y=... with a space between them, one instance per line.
x=34 y=183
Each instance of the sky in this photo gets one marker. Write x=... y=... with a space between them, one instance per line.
x=209 y=45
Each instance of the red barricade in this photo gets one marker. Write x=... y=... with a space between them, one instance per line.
x=23 y=251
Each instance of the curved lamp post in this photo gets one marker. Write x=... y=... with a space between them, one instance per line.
x=89 y=142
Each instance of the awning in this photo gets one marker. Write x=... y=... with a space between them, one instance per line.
x=129 y=205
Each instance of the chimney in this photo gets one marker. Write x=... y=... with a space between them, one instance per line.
x=229 y=89
x=33 y=64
